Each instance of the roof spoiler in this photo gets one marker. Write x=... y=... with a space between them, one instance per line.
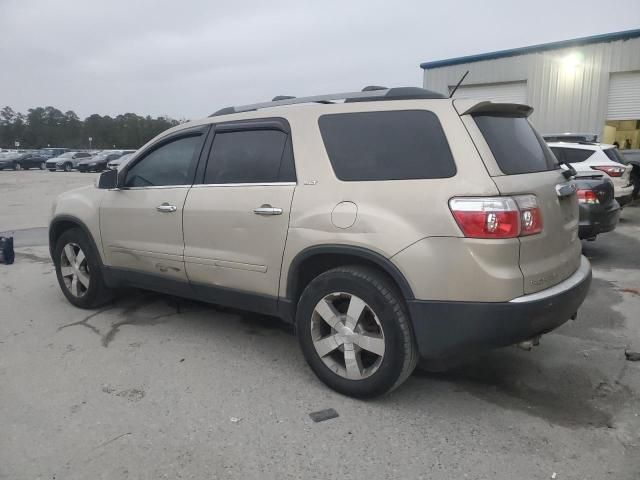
x=506 y=109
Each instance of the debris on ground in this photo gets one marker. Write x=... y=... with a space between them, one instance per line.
x=632 y=356
x=322 y=415
x=235 y=420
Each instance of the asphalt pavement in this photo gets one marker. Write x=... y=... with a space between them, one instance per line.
x=153 y=386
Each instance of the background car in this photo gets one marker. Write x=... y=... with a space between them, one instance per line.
x=98 y=162
x=67 y=161
x=52 y=152
x=586 y=157
x=632 y=158
x=114 y=164
x=599 y=211
x=20 y=161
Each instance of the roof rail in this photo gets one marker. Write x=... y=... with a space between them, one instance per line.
x=571 y=137
x=368 y=95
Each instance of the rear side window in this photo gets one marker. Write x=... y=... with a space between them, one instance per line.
x=398 y=145
x=250 y=156
x=515 y=145
x=571 y=155
x=614 y=155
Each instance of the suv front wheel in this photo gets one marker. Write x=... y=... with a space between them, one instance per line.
x=78 y=270
x=355 y=333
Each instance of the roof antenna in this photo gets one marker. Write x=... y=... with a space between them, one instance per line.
x=459 y=83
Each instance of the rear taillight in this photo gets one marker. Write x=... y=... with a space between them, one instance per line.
x=588 y=197
x=530 y=216
x=497 y=217
x=611 y=171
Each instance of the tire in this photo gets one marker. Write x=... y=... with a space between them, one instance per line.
x=17 y=166
x=383 y=321
x=68 y=167
x=90 y=290
x=43 y=166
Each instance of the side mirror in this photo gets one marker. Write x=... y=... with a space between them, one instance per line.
x=108 y=180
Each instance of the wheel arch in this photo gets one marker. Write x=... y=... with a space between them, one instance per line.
x=312 y=261
x=63 y=223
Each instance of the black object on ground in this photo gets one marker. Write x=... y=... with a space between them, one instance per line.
x=7 y=255
x=322 y=415
x=632 y=356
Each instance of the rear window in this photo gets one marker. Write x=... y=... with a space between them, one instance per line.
x=571 y=155
x=398 y=145
x=515 y=145
x=614 y=155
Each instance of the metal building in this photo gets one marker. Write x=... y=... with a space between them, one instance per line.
x=589 y=84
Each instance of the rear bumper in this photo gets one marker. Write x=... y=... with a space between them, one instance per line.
x=596 y=219
x=444 y=329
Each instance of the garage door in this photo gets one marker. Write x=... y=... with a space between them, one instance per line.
x=624 y=96
x=509 y=92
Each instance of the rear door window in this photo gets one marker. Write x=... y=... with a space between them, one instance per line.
x=250 y=156
x=396 y=145
x=515 y=145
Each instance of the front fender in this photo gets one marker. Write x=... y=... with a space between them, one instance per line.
x=82 y=207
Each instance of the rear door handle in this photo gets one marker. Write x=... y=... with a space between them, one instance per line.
x=166 y=208
x=267 y=210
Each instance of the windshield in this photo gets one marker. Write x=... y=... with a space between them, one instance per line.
x=67 y=155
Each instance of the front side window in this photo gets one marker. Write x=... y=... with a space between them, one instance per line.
x=395 y=145
x=250 y=156
x=170 y=164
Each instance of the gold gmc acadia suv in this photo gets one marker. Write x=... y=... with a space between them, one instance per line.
x=389 y=225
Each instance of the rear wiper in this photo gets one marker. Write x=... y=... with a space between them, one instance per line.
x=570 y=172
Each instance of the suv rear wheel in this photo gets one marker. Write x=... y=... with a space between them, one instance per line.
x=78 y=270
x=354 y=332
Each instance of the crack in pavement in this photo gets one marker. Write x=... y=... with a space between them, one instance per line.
x=84 y=321
x=129 y=317
x=104 y=444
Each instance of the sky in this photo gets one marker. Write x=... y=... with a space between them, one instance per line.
x=186 y=59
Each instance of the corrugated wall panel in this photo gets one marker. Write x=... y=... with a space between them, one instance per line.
x=510 y=92
x=624 y=96
x=563 y=99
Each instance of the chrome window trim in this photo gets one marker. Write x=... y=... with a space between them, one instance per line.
x=249 y=184
x=153 y=187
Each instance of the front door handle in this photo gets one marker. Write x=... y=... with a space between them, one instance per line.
x=166 y=208
x=267 y=209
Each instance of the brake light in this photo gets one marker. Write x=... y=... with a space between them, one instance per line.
x=588 y=196
x=497 y=217
x=611 y=171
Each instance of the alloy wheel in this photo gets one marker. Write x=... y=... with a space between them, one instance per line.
x=74 y=269
x=347 y=336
